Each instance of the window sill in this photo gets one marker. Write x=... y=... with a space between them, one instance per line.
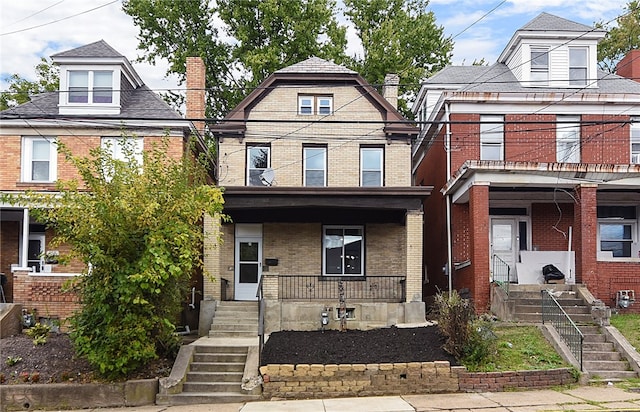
x=37 y=184
x=618 y=259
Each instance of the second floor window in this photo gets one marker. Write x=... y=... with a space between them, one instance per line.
x=124 y=148
x=39 y=159
x=539 y=67
x=258 y=159
x=635 y=142
x=568 y=139
x=578 y=66
x=315 y=166
x=315 y=105
x=90 y=86
x=371 y=166
x=491 y=137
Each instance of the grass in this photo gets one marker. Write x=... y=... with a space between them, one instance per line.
x=521 y=348
x=629 y=325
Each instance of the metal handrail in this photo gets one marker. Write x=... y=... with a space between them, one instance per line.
x=261 y=309
x=567 y=329
x=369 y=288
x=501 y=273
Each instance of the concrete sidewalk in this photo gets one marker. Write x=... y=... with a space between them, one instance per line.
x=583 y=398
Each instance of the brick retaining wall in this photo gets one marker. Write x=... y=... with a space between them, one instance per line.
x=330 y=381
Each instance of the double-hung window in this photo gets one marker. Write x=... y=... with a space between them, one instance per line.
x=491 y=137
x=539 y=66
x=343 y=250
x=124 y=148
x=90 y=86
x=315 y=166
x=258 y=159
x=568 y=139
x=578 y=66
x=371 y=166
x=617 y=230
x=39 y=159
x=635 y=141
x=315 y=105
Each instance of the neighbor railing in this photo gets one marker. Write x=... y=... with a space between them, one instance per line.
x=370 y=288
x=501 y=273
x=553 y=313
x=261 y=310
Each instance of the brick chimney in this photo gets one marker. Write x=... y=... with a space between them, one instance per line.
x=196 y=92
x=390 y=89
x=629 y=67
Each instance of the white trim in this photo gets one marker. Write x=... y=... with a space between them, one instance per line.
x=305 y=169
x=27 y=159
x=381 y=165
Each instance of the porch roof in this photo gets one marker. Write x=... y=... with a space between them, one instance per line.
x=323 y=204
x=539 y=174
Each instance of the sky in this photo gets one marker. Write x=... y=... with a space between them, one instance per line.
x=31 y=29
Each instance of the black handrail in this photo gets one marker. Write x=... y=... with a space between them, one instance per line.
x=501 y=273
x=567 y=329
x=369 y=288
x=260 y=296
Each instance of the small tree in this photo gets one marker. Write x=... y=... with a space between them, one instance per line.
x=138 y=229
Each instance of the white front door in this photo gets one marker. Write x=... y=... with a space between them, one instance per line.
x=248 y=261
x=504 y=236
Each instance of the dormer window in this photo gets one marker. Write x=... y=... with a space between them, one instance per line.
x=315 y=105
x=90 y=86
x=539 y=66
x=578 y=66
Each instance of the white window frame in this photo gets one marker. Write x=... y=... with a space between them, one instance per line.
x=379 y=169
x=582 y=66
x=318 y=105
x=343 y=255
x=539 y=73
x=307 y=168
x=568 y=133
x=92 y=90
x=116 y=146
x=27 y=159
x=491 y=136
x=254 y=173
x=619 y=221
x=635 y=141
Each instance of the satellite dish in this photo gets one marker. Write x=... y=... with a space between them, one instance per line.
x=267 y=177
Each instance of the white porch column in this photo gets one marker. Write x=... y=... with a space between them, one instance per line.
x=25 y=238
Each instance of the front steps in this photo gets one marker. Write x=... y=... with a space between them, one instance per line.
x=217 y=367
x=600 y=359
x=527 y=304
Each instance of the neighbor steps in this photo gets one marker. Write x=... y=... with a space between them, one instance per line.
x=527 y=301
x=217 y=367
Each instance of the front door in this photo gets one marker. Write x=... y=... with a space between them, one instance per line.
x=35 y=251
x=248 y=261
x=504 y=236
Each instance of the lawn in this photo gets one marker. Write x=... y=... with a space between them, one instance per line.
x=629 y=325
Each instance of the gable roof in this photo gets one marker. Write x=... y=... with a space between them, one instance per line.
x=545 y=21
x=316 y=71
x=96 y=49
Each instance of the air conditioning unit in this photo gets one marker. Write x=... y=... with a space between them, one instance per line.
x=635 y=158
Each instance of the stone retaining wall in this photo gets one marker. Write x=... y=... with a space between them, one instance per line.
x=331 y=381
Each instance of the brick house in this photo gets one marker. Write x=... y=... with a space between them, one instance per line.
x=101 y=97
x=315 y=167
x=533 y=160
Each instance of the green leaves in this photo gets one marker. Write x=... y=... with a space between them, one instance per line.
x=621 y=38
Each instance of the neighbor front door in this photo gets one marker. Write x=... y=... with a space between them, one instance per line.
x=248 y=261
x=504 y=236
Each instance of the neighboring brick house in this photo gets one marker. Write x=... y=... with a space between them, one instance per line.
x=533 y=158
x=101 y=97
x=315 y=168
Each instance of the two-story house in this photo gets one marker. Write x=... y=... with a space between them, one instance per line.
x=315 y=167
x=534 y=160
x=101 y=99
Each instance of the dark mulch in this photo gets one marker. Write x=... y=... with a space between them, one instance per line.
x=386 y=345
x=55 y=361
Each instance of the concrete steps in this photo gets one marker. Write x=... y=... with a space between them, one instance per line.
x=235 y=320
x=600 y=359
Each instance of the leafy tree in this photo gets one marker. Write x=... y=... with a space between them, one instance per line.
x=21 y=90
x=398 y=36
x=621 y=39
x=137 y=227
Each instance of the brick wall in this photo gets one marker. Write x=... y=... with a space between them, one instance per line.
x=333 y=381
x=479 y=223
x=549 y=225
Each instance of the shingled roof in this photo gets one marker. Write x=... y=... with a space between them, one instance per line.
x=549 y=22
x=96 y=49
x=315 y=65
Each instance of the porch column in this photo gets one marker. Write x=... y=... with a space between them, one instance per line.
x=479 y=244
x=585 y=233
x=211 y=282
x=414 y=219
x=25 y=239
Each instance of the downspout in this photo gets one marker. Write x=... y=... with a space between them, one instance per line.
x=447 y=148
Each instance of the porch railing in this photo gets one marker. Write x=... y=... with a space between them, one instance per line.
x=553 y=313
x=261 y=310
x=501 y=273
x=371 y=288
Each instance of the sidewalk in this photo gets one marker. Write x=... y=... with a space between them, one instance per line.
x=583 y=398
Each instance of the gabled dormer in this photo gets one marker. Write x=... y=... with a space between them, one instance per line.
x=94 y=79
x=553 y=52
